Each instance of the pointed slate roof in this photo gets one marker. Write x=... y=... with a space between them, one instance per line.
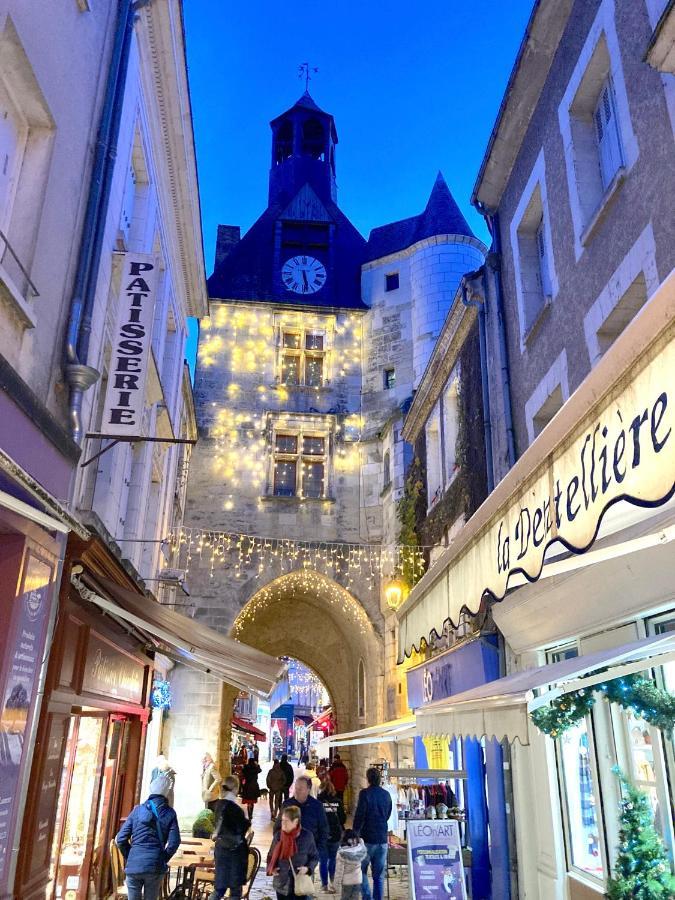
x=247 y=272
x=306 y=102
x=441 y=216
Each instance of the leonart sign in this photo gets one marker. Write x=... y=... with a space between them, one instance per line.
x=623 y=449
x=125 y=394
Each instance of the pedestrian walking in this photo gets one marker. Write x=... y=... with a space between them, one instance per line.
x=287 y=769
x=276 y=782
x=348 y=870
x=310 y=772
x=163 y=767
x=292 y=856
x=147 y=840
x=313 y=816
x=370 y=823
x=231 y=849
x=250 y=790
x=211 y=781
x=336 y=818
x=339 y=775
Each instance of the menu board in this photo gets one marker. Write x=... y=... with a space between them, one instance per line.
x=25 y=651
x=435 y=859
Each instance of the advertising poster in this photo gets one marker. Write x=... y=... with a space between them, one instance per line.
x=435 y=859
x=24 y=658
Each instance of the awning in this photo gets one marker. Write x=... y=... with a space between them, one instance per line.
x=322 y=719
x=501 y=708
x=394 y=730
x=192 y=644
x=560 y=489
x=249 y=728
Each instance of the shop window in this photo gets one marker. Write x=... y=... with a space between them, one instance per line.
x=582 y=811
x=300 y=463
x=303 y=358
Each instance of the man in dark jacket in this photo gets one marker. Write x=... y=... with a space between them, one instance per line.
x=276 y=782
x=370 y=822
x=287 y=769
x=148 y=839
x=313 y=815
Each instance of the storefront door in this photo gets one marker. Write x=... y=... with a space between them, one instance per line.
x=88 y=813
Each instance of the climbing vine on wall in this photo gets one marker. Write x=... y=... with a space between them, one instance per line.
x=408 y=509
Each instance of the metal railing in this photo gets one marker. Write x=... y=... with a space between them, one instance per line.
x=16 y=259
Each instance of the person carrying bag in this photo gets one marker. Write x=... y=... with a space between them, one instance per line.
x=147 y=840
x=231 y=851
x=292 y=858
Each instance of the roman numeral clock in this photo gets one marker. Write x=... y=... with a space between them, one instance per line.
x=303 y=274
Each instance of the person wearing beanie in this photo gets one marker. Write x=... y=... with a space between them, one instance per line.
x=147 y=840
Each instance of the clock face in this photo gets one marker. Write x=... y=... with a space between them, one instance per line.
x=303 y=274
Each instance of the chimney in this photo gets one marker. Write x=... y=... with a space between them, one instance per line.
x=228 y=236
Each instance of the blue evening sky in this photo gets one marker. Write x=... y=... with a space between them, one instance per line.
x=414 y=88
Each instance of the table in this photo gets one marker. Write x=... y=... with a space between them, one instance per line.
x=190 y=854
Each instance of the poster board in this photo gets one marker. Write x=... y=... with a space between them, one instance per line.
x=435 y=859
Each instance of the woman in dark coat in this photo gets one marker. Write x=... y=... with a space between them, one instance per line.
x=250 y=789
x=294 y=845
x=148 y=839
x=231 y=852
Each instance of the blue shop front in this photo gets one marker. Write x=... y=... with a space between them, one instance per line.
x=481 y=793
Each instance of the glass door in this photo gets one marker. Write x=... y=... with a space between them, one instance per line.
x=109 y=803
x=77 y=796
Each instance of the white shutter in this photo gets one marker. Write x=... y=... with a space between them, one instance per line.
x=544 y=277
x=12 y=144
x=607 y=133
x=128 y=203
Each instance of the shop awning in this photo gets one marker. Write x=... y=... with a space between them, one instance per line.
x=249 y=728
x=501 y=708
x=189 y=642
x=613 y=440
x=394 y=730
x=322 y=719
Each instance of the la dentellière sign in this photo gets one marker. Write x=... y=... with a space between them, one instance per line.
x=125 y=393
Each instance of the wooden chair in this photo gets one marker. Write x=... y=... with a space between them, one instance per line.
x=205 y=877
x=119 y=888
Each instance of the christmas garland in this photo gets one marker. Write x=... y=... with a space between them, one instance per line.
x=632 y=692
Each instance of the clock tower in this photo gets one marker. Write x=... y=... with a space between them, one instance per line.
x=302 y=250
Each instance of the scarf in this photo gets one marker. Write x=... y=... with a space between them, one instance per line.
x=285 y=848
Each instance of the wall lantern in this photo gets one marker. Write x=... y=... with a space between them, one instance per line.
x=395 y=593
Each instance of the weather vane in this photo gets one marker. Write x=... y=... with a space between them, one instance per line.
x=304 y=71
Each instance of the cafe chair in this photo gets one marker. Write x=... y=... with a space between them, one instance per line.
x=119 y=889
x=205 y=877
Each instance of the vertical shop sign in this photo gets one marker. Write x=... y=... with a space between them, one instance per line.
x=125 y=394
x=435 y=859
x=24 y=659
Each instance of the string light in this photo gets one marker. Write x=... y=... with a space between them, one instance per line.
x=253 y=554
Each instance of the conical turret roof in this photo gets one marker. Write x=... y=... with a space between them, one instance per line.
x=441 y=216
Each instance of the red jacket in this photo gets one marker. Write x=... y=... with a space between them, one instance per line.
x=339 y=776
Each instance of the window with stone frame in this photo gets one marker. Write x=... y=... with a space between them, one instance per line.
x=303 y=357
x=300 y=464
x=535 y=279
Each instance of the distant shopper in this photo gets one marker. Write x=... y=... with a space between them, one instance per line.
x=293 y=852
x=348 y=872
x=313 y=816
x=276 y=782
x=163 y=767
x=231 y=849
x=287 y=769
x=336 y=818
x=211 y=781
x=339 y=776
x=310 y=773
x=250 y=790
x=147 y=840
x=370 y=823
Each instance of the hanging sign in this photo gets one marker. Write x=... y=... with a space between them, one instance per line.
x=125 y=394
x=435 y=859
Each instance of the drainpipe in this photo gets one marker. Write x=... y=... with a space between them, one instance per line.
x=79 y=375
x=494 y=261
x=487 y=423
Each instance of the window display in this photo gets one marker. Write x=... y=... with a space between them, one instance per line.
x=580 y=798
